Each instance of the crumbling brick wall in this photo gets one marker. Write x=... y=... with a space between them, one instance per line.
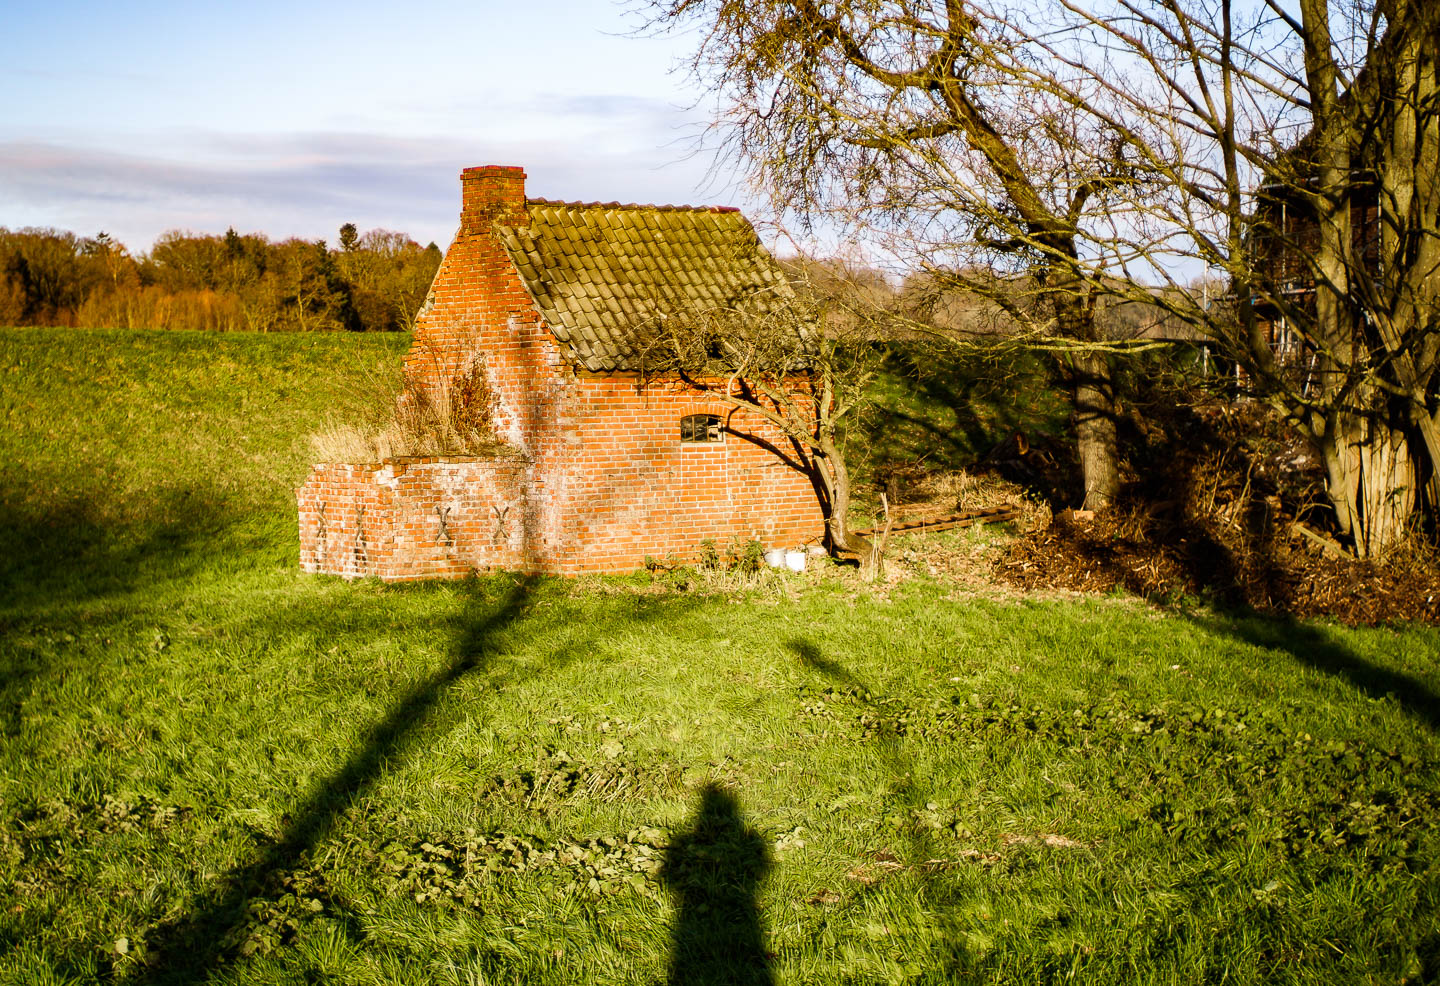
x=416 y=518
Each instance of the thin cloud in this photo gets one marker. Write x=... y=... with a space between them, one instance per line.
x=308 y=184
x=610 y=106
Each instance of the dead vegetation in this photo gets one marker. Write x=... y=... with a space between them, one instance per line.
x=1223 y=502
x=1294 y=576
x=1229 y=508
x=458 y=420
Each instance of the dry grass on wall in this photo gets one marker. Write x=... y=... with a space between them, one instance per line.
x=458 y=421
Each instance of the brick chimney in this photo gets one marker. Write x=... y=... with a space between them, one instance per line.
x=489 y=194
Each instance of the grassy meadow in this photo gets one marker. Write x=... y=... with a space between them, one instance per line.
x=216 y=769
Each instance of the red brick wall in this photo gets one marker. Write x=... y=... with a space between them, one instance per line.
x=607 y=479
x=476 y=291
x=632 y=488
x=416 y=518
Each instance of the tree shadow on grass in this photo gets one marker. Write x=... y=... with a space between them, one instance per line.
x=888 y=745
x=1313 y=647
x=904 y=789
x=963 y=407
x=68 y=550
x=812 y=657
x=187 y=949
x=715 y=870
x=73 y=548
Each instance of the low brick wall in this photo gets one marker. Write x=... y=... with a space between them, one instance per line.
x=426 y=518
x=418 y=518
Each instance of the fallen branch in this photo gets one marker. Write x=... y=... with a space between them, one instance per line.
x=1328 y=545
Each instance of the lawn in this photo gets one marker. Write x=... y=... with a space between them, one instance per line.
x=217 y=769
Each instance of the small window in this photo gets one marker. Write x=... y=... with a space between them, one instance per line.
x=700 y=428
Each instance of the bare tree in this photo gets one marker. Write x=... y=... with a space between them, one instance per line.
x=1074 y=150
x=802 y=361
x=1365 y=237
x=927 y=127
x=1304 y=169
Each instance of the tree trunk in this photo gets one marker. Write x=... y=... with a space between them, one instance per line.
x=835 y=478
x=1096 y=442
x=1371 y=474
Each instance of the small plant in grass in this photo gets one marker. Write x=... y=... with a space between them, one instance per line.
x=670 y=563
x=741 y=566
x=744 y=556
x=709 y=554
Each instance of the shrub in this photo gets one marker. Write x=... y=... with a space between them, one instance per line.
x=458 y=420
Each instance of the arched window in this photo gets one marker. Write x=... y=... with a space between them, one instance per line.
x=701 y=428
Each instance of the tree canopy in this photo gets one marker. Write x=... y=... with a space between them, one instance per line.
x=1076 y=150
x=375 y=282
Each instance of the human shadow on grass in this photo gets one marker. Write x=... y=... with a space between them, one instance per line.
x=715 y=869
x=1312 y=647
x=188 y=949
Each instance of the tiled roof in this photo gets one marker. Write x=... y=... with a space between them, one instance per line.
x=599 y=271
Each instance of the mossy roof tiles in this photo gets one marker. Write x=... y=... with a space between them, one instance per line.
x=599 y=271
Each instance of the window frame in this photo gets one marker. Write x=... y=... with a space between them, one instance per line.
x=713 y=430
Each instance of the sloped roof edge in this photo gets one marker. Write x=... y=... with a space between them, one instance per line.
x=598 y=271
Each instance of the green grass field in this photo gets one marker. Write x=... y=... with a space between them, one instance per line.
x=217 y=769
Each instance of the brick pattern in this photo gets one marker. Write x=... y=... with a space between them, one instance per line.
x=416 y=518
x=633 y=488
x=602 y=479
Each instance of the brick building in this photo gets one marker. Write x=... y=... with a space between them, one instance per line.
x=608 y=465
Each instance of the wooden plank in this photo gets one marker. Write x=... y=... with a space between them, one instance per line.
x=946 y=522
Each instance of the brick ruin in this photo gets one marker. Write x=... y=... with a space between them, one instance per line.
x=599 y=477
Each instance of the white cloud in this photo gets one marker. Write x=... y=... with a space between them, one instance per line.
x=308 y=184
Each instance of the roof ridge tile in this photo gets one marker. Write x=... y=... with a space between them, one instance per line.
x=634 y=206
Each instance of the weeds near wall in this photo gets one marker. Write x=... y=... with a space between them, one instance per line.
x=469 y=408
x=739 y=565
x=459 y=419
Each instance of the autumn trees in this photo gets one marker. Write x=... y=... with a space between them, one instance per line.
x=1073 y=151
x=375 y=281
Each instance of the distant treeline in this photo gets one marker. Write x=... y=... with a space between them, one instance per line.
x=373 y=282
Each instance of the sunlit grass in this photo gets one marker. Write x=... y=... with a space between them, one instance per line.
x=216 y=768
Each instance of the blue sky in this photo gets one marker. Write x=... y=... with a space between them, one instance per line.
x=292 y=118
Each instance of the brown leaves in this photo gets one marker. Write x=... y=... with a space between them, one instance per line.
x=883 y=863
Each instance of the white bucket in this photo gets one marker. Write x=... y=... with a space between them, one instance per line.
x=775 y=557
x=795 y=561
